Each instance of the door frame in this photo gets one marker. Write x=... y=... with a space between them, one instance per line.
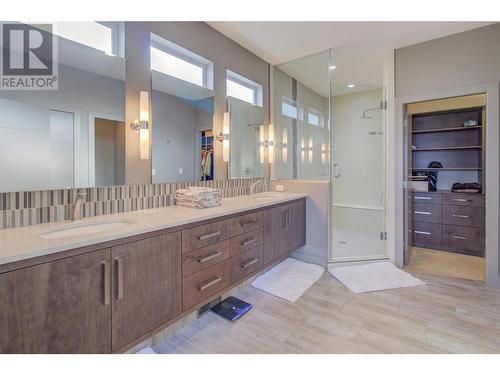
x=491 y=165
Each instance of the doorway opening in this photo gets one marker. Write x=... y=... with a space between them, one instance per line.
x=445 y=195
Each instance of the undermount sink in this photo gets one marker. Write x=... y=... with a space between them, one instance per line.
x=83 y=227
x=263 y=196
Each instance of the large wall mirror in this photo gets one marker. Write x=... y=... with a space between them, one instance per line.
x=73 y=136
x=247 y=139
x=182 y=114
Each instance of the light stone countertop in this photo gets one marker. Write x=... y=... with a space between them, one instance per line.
x=25 y=242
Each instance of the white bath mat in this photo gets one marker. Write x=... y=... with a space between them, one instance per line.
x=374 y=276
x=289 y=279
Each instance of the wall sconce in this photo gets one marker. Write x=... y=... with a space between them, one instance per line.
x=262 y=143
x=224 y=136
x=302 y=149
x=311 y=149
x=323 y=153
x=141 y=125
x=270 y=154
x=284 y=145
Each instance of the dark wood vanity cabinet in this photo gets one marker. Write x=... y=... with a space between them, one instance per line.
x=108 y=297
x=57 y=307
x=146 y=286
x=284 y=229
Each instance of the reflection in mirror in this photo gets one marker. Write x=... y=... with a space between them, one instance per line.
x=71 y=136
x=182 y=114
x=301 y=110
x=247 y=135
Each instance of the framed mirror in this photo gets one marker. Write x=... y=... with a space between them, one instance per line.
x=72 y=135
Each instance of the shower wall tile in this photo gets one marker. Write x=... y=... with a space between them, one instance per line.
x=18 y=209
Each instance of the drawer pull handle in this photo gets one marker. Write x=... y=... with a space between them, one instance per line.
x=422 y=212
x=459 y=238
x=422 y=232
x=248 y=222
x=248 y=242
x=461 y=200
x=461 y=216
x=249 y=262
x=209 y=257
x=210 y=283
x=107 y=281
x=425 y=198
x=119 y=276
x=210 y=235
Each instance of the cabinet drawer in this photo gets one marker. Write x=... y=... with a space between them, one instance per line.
x=204 y=235
x=423 y=197
x=246 y=223
x=246 y=263
x=426 y=235
x=206 y=283
x=465 y=240
x=464 y=199
x=246 y=241
x=428 y=213
x=202 y=258
x=469 y=216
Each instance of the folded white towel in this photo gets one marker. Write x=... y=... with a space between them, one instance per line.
x=198 y=197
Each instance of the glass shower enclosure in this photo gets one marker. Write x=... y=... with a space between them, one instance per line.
x=329 y=121
x=358 y=117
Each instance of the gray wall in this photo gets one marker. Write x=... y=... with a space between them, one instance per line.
x=109 y=152
x=457 y=65
x=201 y=39
x=458 y=60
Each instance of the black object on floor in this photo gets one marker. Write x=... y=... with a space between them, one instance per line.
x=232 y=308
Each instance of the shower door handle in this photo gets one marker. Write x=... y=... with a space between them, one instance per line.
x=336 y=170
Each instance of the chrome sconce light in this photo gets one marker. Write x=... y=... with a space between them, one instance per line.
x=141 y=125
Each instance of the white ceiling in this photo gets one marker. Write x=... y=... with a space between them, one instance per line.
x=300 y=48
x=280 y=42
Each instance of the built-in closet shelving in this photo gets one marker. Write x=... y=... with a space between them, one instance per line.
x=441 y=136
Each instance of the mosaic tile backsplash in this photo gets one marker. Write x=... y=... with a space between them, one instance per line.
x=19 y=209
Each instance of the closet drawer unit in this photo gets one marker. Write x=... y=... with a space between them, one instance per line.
x=246 y=263
x=202 y=258
x=423 y=197
x=246 y=241
x=246 y=223
x=204 y=235
x=469 y=216
x=426 y=235
x=427 y=213
x=465 y=240
x=204 y=284
x=463 y=199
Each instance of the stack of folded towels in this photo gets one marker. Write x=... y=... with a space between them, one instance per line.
x=198 y=197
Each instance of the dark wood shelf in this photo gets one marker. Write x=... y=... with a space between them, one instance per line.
x=452 y=148
x=446 y=129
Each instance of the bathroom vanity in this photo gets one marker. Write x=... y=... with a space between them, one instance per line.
x=106 y=291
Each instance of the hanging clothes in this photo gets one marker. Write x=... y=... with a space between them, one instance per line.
x=207 y=165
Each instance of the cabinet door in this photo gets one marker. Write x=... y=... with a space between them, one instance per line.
x=146 y=284
x=57 y=307
x=295 y=226
x=274 y=225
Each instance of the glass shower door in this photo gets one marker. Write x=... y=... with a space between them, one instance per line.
x=358 y=168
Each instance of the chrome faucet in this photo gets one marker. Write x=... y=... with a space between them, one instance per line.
x=77 y=208
x=254 y=185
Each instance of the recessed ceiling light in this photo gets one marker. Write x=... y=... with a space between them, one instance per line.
x=350 y=85
x=332 y=67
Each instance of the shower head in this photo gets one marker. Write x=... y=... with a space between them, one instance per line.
x=383 y=105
